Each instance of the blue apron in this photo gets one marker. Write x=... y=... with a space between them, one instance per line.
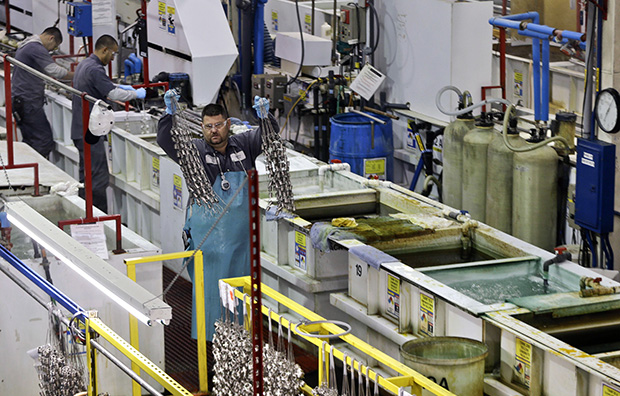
x=226 y=251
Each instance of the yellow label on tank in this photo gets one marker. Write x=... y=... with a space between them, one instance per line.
x=393 y=284
x=609 y=391
x=374 y=167
x=300 y=239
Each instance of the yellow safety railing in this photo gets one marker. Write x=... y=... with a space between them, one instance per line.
x=96 y=325
x=200 y=313
x=407 y=376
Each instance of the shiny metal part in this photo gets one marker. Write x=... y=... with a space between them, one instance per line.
x=198 y=184
x=279 y=185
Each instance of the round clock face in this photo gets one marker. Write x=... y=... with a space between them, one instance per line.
x=606 y=110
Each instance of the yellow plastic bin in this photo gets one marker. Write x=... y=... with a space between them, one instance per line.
x=455 y=363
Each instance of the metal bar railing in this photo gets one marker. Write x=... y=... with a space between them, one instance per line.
x=203 y=377
x=86 y=99
x=407 y=376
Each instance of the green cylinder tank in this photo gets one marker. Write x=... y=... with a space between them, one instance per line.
x=499 y=177
x=534 y=197
x=475 y=147
x=452 y=178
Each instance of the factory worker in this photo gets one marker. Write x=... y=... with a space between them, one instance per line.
x=226 y=160
x=91 y=77
x=27 y=90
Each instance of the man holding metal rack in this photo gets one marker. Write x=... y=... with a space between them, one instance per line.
x=90 y=77
x=226 y=159
x=28 y=90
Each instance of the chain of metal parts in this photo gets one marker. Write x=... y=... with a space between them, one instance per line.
x=57 y=376
x=277 y=167
x=198 y=184
x=232 y=351
x=60 y=370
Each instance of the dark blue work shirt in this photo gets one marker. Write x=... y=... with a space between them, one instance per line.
x=90 y=77
x=241 y=151
x=26 y=86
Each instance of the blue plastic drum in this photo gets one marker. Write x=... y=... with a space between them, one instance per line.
x=369 y=151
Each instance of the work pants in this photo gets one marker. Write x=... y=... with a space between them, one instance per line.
x=100 y=172
x=34 y=126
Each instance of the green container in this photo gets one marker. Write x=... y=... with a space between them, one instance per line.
x=455 y=363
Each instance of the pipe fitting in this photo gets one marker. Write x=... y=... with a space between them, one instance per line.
x=333 y=168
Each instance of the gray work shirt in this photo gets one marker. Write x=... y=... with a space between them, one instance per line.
x=90 y=77
x=27 y=86
x=241 y=151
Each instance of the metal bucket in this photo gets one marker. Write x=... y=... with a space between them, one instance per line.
x=455 y=363
x=368 y=149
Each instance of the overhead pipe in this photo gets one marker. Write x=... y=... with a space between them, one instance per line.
x=538 y=32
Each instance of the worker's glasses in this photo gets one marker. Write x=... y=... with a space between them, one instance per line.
x=217 y=125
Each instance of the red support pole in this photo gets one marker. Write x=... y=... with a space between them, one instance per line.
x=145 y=60
x=255 y=276
x=7 y=10
x=88 y=174
x=9 y=109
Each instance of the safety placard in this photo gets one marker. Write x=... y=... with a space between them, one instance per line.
x=608 y=390
x=274 y=20
x=171 y=21
x=300 y=250
x=161 y=10
x=393 y=296
x=155 y=173
x=523 y=362
x=427 y=314
x=177 y=192
x=102 y=12
x=374 y=168
x=410 y=137
x=518 y=84
x=308 y=23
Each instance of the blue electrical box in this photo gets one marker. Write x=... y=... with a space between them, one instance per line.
x=80 y=19
x=594 y=192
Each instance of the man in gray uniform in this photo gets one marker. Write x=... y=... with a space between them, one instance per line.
x=90 y=77
x=28 y=90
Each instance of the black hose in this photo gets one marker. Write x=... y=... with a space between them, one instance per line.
x=376 y=15
x=303 y=52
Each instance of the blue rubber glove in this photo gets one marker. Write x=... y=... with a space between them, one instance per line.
x=261 y=105
x=170 y=108
x=127 y=87
x=141 y=93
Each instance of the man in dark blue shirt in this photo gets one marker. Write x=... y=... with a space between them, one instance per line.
x=226 y=159
x=27 y=90
x=90 y=77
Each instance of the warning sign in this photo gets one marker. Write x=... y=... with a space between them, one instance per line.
x=393 y=296
x=427 y=314
x=300 y=250
x=523 y=362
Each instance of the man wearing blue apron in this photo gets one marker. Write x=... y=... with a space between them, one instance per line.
x=226 y=160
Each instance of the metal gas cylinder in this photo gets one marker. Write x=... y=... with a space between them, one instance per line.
x=452 y=177
x=499 y=179
x=475 y=147
x=534 y=209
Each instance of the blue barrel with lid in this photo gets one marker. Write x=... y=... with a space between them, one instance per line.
x=369 y=150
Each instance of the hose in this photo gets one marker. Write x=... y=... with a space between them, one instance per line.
x=509 y=111
x=468 y=108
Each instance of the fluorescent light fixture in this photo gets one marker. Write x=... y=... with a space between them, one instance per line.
x=137 y=314
x=132 y=297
